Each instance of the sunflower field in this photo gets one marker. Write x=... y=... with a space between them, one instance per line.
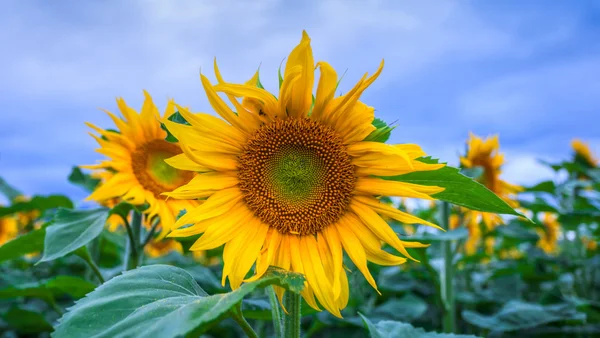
x=287 y=214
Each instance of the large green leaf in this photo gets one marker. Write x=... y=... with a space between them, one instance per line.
x=158 y=301
x=516 y=315
x=9 y=191
x=388 y=328
x=83 y=180
x=40 y=203
x=28 y=243
x=71 y=230
x=25 y=321
x=459 y=189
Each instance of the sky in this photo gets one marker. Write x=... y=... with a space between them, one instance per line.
x=528 y=71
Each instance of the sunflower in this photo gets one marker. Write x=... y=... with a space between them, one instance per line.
x=484 y=154
x=114 y=221
x=157 y=248
x=474 y=235
x=8 y=229
x=290 y=181
x=583 y=152
x=549 y=236
x=137 y=153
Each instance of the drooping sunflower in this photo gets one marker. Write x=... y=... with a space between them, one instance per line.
x=583 y=152
x=549 y=235
x=484 y=154
x=137 y=172
x=290 y=182
x=8 y=229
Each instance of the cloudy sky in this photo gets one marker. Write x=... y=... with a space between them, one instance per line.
x=526 y=70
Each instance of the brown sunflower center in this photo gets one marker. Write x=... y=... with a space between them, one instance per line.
x=296 y=176
x=151 y=170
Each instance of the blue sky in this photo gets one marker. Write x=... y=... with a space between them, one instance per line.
x=526 y=70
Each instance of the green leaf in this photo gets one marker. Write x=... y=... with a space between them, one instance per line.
x=459 y=189
x=407 y=309
x=28 y=243
x=177 y=118
x=546 y=186
x=158 y=301
x=83 y=180
x=382 y=133
x=538 y=205
x=388 y=328
x=40 y=203
x=516 y=315
x=25 y=321
x=71 y=230
x=440 y=236
x=75 y=287
x=9 y=191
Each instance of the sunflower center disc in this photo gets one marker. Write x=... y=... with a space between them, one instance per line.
x=296 y=176
x=151 y=170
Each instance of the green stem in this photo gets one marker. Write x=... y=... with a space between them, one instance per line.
x=291 y=321
x=447 y=275
x=84 y=253
x=149 y=235
x=50 y=301
x=133 y=247
x=237 y=315
x=276 y=312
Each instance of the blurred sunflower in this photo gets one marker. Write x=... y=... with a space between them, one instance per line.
x=137 y=153
x=589 y=243
x=157 y=248
x=474 y=238
x=290 y=182
x=512 y=253
x=26 y=219
x=8 y=229
x=484 y=154
x=583 y=153
x=549 y=235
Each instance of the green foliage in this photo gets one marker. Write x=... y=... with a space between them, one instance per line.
x=516 y=315
x=177 y=118
x=75 y=287
x=26 y=322
x=158 y=301
x=71 y=230
x=25 y=244
x=39 y=203
x=459 y=189
x=388 y=328
x=83 y=180
x=382 y=133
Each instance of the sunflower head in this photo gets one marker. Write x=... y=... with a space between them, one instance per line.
x=590 y=244
x=289 y=180
x=583 y=153
x=549 y=235
x=484 y=154
x=136 y=171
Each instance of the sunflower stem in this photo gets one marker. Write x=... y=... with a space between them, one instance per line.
x=84 y=254
x=276 y=312
x=133 y=248
x=238 y=316
x=447 y=275
x=291 y=321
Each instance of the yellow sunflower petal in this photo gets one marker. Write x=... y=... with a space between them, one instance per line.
x=300 y=93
